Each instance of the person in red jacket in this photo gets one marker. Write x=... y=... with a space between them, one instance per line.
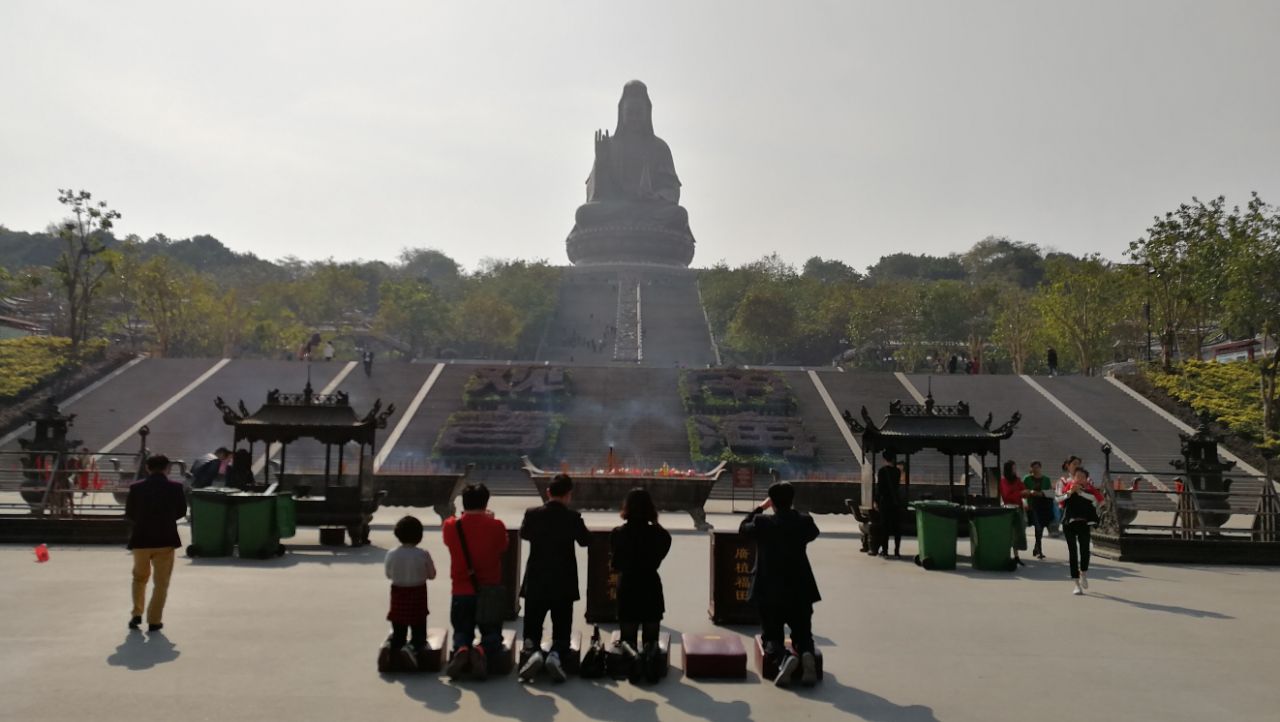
x=485 y=540
x=1013 y=494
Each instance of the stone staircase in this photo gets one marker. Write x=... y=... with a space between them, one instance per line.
x=675 y=328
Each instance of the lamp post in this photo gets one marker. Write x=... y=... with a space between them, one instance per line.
x=1146 y=310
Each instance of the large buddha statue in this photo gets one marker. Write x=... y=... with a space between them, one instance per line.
x=632 y=213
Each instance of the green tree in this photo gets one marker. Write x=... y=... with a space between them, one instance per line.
x=1182 y=253
x=1081 y=305
x=1251 y=299
x=1000 y=260
x=1018 y=328
x=412 y=311
x=829 y=270
x=765 y=323
x=886 y=325
x=85 y=262
x=487 y=324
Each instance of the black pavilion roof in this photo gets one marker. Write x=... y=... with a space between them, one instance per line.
x=948 y=428
x=328 y=418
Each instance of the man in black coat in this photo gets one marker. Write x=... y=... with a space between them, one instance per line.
x=782 y=584
x=888 y=501
x=551 y=576
x=155 y=504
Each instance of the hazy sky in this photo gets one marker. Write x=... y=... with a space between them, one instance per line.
x=841 y=129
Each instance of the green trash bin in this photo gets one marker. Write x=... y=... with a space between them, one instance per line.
x=937 y=526
x=257 y=537
x=210 y=516
x=991 y=537
x=286 y=515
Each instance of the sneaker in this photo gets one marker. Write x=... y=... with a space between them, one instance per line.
x=808 y=669
x=1077 y=591
x=135 y=622
x=155 y=627
x=1084 y=580
x=554 y=670
x=459 y=663
x=529 y=670
x=785 y=670
x=479 y=664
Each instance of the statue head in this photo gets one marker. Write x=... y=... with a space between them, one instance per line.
x=635 y=111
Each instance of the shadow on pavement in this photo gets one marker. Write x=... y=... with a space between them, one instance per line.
x=864 y=705
x=517 y=702
x=1171 y=609
x=596 y=700
x=693 y=701
x=302 y=554
x=428 y=689
x=139 y=651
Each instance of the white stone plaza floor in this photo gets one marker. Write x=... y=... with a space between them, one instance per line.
x=296 y=638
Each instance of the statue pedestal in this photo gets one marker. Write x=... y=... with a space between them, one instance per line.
x=600 y=245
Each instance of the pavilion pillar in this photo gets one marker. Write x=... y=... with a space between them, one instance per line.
x=951 y=477
x=341 y=449
x=284 y=449
x=327 y=449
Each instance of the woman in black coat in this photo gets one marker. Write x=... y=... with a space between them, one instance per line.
x=638 y=548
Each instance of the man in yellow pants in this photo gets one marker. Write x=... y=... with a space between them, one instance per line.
x=155 y=505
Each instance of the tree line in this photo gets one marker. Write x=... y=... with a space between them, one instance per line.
x=1199 y=272
x=196 y=297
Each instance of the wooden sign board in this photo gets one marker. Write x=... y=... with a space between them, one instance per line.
x=732 y=558
x=602 y=581
x=511 y=573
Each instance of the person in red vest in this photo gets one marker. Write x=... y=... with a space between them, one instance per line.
x=476 y=541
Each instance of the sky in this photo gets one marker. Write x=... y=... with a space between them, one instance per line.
x=846 y=130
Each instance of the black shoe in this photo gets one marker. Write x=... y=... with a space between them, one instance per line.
x=135 y=622
x=154 y=627
x=1019 y=561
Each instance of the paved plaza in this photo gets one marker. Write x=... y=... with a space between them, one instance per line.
x=296 y=638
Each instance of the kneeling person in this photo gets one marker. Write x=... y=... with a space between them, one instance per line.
x=409 y=567
x=551 y=576
x=476 y=541
x=783 y=587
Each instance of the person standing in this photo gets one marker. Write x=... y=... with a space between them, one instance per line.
x=1013 y=495
x=408 y=567
x=210 y=468
x=154 y=505
x=328 y=351
x=367 y=360
x=1079 y=501
x=1051 y=359
x=1068 y=473
x=476 y=541
x=551 y=577
x=1039 y=486
x=888 y=502
x=783 y=587
x=240 y=473
x=637 y=550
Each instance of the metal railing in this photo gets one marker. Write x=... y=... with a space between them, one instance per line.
x=66 y=484
x=1249 y=510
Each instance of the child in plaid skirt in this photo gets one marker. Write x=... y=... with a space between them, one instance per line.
x=408 y=568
